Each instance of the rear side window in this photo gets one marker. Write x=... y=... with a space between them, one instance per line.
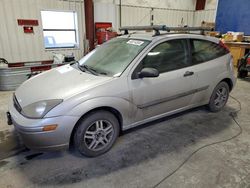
x=203 y=51
x=167 y=56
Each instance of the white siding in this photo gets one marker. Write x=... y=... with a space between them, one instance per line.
x=137 y=12
x=16 y=46
x=168 y=4
x=135 y=16
x=173 y=18
x=211 y=4
x=204 y=15
x=105 y=12
x=208 y=15
x=132 y=16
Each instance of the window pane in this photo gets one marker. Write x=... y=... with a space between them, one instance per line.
x=57 y=39
x=167 y=56
x=58 y=20
x=205 y=51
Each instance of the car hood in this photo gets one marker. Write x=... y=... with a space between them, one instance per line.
x=59 y=83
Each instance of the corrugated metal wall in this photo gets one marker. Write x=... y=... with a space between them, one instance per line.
x=16 y=46
x=105 y=12
x=204 y=15
x=133 y=15
x=173 y=18
x=166 y=4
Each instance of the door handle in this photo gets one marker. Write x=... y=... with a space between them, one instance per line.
x=188 y=73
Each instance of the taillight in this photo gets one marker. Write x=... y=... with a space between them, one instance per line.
x=224 y=46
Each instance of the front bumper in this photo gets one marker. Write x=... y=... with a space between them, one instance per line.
x=33 y=136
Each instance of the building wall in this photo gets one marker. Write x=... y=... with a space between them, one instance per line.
x=208 y=15
x=16 y=46
x=170 y=4
x=137 y=12
x=168 y=12
x=106 y=12
x=132 y=16
x=211 y=4
x=167 y=4
x=204 y=15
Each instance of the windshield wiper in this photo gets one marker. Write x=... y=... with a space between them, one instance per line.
x=79 y=66
x=85 y=68
x=103 y=73
x=91 y=70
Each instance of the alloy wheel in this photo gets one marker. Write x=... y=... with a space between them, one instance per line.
x=221 y=97
x=98 y=135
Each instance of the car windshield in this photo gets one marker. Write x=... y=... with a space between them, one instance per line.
x=113 y=57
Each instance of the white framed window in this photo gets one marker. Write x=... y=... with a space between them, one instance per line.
x=59 y=29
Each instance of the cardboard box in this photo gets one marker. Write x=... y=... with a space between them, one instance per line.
x=239 y=38
x=229 y=38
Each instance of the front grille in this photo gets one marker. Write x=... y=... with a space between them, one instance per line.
x=16 y=104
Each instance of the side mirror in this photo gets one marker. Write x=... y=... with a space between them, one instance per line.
x=148 y=73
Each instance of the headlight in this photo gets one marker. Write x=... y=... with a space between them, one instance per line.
x=40 y=109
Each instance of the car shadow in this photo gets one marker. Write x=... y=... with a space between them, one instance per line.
x=135 y=146
x=10 y=143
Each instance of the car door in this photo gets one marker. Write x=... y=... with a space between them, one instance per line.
x=208 y=60
x=172 y=89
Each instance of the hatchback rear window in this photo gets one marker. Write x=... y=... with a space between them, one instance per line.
x=203 y=51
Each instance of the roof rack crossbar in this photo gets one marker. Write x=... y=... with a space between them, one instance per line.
x=156 y=28
x=201 y=29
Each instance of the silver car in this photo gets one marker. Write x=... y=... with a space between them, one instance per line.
x=126 y=82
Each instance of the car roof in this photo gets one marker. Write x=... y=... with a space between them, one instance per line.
x=150 y=36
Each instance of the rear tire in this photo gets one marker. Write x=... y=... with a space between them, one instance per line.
x=219 y=97
x=96 y=133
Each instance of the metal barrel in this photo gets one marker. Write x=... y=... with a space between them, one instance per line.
x=12 y=77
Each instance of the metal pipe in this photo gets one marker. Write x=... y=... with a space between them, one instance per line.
x=120 y=13
x=89 y=22
x=158 y=28
x=164 y=28
x=139 y=28
x=152 y=17
x=189 y=28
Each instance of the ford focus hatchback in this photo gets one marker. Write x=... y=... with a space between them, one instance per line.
x=126 y=82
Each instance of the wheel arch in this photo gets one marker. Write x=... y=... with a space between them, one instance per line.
x=112 y=110
x=229 y=83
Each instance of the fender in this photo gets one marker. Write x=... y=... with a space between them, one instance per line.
x=123 y=106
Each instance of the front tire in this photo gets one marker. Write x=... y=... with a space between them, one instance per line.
x=96 y=133
x=219 y=97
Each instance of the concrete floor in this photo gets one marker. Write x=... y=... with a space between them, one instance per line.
x=144 y=156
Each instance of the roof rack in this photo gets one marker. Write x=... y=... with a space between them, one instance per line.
x=187 y=29
x=158 y=28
